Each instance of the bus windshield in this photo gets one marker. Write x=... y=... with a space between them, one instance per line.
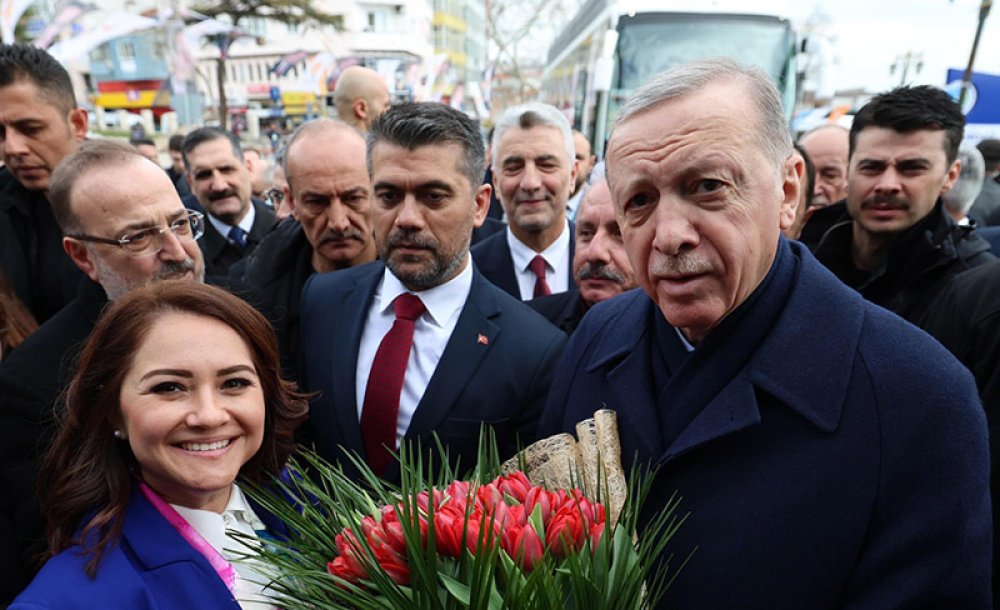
x=649 y=43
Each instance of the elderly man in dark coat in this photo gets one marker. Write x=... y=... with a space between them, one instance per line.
x=830 y=454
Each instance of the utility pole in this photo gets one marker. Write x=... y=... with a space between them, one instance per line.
x=984 y=11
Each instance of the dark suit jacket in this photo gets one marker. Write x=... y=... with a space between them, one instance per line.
x=220 y=255
x=563 y=309
x=496 y=368
x=493 y=258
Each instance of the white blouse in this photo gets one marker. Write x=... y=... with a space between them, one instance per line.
x=215 y=528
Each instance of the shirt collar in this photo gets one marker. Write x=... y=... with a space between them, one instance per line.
x=442 y=302
x=246 y=224
x=521 y=254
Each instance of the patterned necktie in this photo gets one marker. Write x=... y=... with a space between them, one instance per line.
x=238 y=237
x=537 y=266
x=385 y=383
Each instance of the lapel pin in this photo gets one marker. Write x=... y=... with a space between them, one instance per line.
x=483 y=340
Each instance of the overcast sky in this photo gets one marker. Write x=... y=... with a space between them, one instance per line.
x=868 y=35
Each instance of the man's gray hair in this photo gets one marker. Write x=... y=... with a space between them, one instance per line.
x=969 y=183
x=772 y=127
x=533 y=114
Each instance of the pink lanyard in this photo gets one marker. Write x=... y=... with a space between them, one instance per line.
x=222 y=567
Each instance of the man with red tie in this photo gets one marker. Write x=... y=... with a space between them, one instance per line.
x=534 y=173
x=419 y=342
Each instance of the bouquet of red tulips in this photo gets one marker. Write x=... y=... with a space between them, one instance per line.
x=437 y=542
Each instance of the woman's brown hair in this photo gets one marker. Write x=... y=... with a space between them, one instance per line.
x=87 y=474
x=16 y=322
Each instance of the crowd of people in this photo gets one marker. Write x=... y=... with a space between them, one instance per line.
x=801 y=339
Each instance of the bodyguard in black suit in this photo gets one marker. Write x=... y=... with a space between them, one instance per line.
x=474 y=355
x=534 y=172
x=220 y=180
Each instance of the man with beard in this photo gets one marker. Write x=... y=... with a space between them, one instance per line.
x=330 y=229
x=39 y=125
x=534 y=169
x=478 y=355
x=220 y=180
x=900 y=249
x=600 y=265
x=122 y=233
x=829 y=454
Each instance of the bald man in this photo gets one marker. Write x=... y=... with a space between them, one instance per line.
x=360 y=96
x=828 y=148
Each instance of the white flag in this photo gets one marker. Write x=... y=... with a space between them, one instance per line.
x=10 y=13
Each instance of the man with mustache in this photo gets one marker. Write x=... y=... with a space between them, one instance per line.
x=420 y=343
x=39 y=125
x=220 y=180
x=900 y=249
x=330 y=229
x=534 y=172
x=601 y=267
x=828 y=454
x=123 y=234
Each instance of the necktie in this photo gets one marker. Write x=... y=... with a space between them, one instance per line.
x=537 y=266
x=238 y=237
x=385 y=383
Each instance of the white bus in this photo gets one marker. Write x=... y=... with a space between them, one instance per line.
x=611 y=47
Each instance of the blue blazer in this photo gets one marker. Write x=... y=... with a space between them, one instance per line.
x=845 y=465
x=492 y=256
x=496 y=368
x=151 y=568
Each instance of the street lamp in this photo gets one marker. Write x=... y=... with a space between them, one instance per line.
x=903 y=63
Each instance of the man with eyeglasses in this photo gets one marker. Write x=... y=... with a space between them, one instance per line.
x=123 y=234
x=220 y=180
x=330 y=229
x=39 y=125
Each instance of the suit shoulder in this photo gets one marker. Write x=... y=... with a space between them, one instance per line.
x=344 y=279
x=62 y=582
x=489 y=246
x=516 y=312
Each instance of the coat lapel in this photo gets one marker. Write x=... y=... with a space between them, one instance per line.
x=176 y=574
x=473 y=337
x=345 y=342
x=630 y=377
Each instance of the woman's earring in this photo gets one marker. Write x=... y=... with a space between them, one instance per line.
x=119 y=435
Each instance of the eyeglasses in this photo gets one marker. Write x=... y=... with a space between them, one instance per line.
x=274 y=196
x=147 y=242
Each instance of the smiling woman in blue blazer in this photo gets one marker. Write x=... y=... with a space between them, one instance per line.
x=177 y=393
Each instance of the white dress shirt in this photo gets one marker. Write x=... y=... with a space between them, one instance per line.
x=212 y=526
x=557 y=264
x=431 y=332
x=246 y=224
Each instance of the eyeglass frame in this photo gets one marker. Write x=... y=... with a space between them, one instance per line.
x=274 y=195
x=191 y=217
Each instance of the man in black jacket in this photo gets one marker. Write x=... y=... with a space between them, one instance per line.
x=331 y=226
x=40 y=124
x=900 y=249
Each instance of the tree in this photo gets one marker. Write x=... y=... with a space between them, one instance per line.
x=519 y=33
x=288 y=12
